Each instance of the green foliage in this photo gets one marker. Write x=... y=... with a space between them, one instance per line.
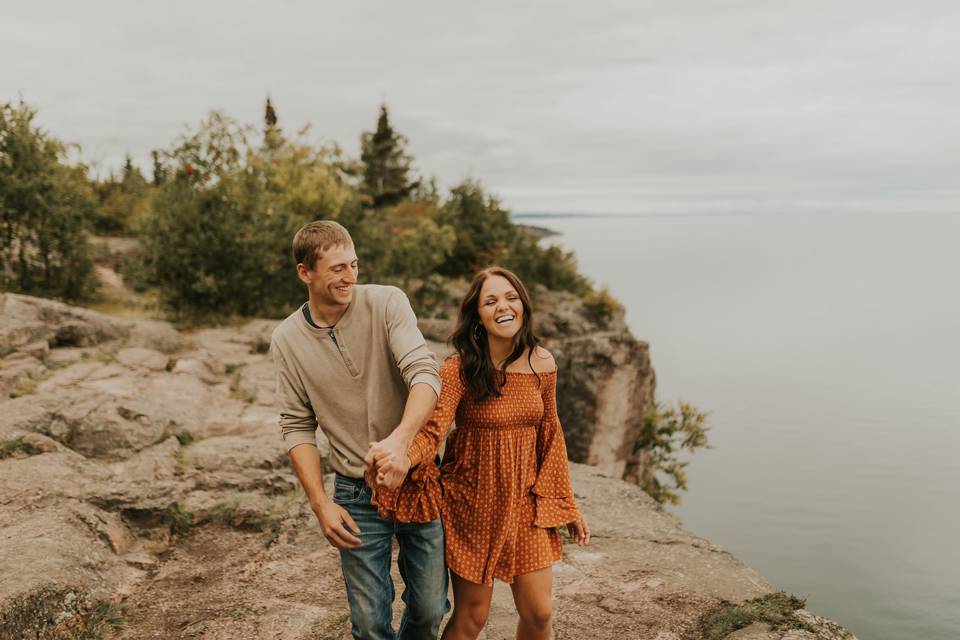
x=601 y=306
x=45 y=207
x=774 y=609
x=16 y=449
x=666 y=432
x=218 y=240
x=178 y=519
x=550 y=266
x=386 y=164
x=123 y=202
x=482 y=226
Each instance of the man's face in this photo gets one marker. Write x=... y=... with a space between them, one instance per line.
x=332 y=278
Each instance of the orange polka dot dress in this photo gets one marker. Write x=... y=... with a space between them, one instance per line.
x=505 y=478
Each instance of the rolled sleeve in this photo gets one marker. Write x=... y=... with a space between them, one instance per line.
x=414 y=359
x=298 y=422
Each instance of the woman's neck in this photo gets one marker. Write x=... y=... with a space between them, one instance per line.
x=500 y=349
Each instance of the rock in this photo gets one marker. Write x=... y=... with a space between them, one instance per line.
x=140 y=358
x=25 y=320
x=173 y=490
x=202 y=365
x=756 y=631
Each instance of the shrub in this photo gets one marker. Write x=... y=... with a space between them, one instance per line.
x=666 y=431
x=45 y=208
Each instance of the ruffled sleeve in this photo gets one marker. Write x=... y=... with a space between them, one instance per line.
x=553 y=493
x=418 y=498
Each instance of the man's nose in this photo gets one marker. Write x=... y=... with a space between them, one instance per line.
x=351 y=276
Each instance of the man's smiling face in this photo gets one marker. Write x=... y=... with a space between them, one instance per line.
x=332 y=278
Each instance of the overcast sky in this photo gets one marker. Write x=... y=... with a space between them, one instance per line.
x=595 y=107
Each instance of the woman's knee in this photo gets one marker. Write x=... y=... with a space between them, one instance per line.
x=472 y=615
x=537 y=615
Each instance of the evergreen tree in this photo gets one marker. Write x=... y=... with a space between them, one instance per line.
x=270 y=115
x=272 y=136
x=386 y=164
x=159 y=171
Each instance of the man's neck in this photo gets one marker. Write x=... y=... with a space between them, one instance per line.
x=326 y=315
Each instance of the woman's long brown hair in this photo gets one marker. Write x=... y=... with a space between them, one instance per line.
x=477 y=371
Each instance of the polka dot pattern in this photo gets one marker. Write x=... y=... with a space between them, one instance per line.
x=505 y=478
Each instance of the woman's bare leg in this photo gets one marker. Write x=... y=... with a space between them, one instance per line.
x=533 y=596
x=471 y=605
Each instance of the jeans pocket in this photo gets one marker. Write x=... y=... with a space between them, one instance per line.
x=346 y=491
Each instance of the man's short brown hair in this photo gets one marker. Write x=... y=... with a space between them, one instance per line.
x=314 y=238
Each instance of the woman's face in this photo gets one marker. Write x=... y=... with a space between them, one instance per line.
x=500 y=308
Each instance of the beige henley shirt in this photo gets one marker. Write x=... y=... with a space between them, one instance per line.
x=352 y=380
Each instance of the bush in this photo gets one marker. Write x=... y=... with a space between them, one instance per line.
x=667 y=431
x=46 y=207
x=601 y=306
x=550 y=266
x=218 y=240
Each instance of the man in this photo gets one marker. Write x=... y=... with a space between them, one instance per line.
x=353 y=361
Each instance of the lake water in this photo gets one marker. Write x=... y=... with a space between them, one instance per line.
x=827 y=349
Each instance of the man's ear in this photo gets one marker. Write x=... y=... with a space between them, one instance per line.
x=303 y=273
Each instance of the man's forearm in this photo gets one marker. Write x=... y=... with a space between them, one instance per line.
x=419 y=407
x=306 y=464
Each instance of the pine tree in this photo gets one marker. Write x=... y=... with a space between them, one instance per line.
x=269 y=115
x=159 y=171
x=386 y=164
x=272 y=136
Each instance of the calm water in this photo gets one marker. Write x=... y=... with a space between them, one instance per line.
x=827 y=349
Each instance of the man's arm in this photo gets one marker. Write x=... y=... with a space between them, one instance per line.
x=419 y=407
x=419 y=370
x=298 y=425
x=333 y=518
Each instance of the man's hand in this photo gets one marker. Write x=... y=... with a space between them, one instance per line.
x=338 y=527
x=389 y=459
x=391 y=470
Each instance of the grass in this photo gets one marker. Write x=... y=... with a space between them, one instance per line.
x=185 y=437
x=260 y=345
x=231 y=514
x=16 y=449
x=774 y=609
x=24 y=387
x=103 y=617
x=238 y=391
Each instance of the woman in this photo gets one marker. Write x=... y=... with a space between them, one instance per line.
x=505 y=479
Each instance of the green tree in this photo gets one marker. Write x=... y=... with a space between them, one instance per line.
x=123 y=201
x=482 y=226
x=550 y=266
x=45 y=207
x=218 y=239
x=666 y=432
x=386 y=164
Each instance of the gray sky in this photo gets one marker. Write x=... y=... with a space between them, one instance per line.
x=597 y=107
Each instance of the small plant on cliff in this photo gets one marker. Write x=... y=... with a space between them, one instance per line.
x=666 y=432
x=774 y=609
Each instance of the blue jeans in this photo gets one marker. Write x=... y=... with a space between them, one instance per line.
x=366 y=570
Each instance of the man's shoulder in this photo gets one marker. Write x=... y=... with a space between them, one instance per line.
x=379 y=294
x=288 y=328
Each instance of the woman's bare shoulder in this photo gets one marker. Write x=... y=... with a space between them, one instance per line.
x=542 y=361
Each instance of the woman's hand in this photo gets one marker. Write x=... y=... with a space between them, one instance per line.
x=579 y=531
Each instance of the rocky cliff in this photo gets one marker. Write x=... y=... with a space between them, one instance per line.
x=145 y=493
x=607 y=383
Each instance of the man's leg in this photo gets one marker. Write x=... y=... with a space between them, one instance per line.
x=366 y=569
x=424 y=573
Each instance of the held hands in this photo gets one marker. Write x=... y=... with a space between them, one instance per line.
x=389 y=459
x=338 y=527
x=579 y=531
